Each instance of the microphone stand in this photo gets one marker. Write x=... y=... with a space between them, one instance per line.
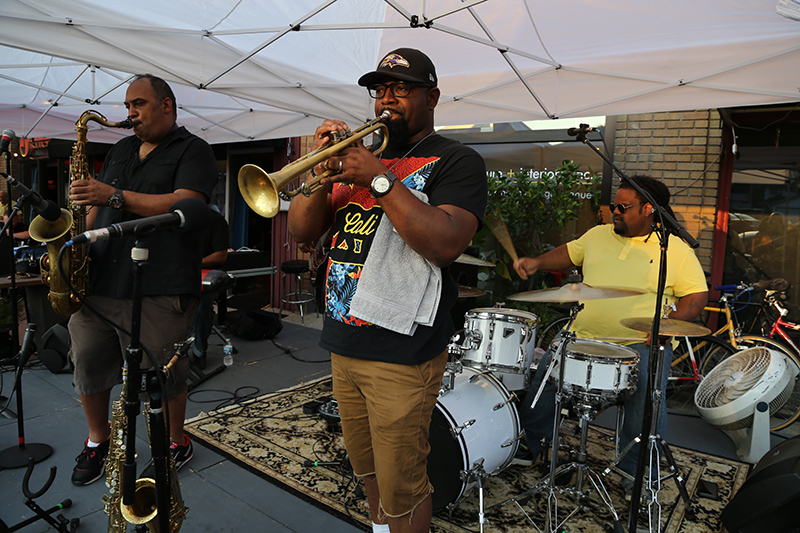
x=19 y=456
x=144 y=382
x=8 y=232
x=666 y=224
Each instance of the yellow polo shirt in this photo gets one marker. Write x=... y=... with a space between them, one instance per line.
x=611 y=260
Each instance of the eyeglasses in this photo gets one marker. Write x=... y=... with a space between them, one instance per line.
x=401 y=89
x=622 y=208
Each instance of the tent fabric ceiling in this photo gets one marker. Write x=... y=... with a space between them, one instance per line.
x=259 y=69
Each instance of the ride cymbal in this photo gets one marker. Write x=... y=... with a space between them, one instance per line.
x=667 y=327
x=469 y=292
x=573 y=292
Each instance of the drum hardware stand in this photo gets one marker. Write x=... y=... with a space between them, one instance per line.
x=479 y=475
x=452 y=367
x=663 y=226
x=551 y=521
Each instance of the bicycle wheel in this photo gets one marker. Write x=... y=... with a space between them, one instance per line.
x=790 y=411
x=683 y=378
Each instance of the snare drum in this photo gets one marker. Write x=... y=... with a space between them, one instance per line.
x=500 y=340
x=475 y=420
x=597 y=369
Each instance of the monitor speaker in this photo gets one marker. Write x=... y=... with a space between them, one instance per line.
x=55 y=349
x=770 y=497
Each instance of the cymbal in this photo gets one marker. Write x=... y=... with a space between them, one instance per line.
x=465 y=259
x=667 y=327
x=573 y=292
x=469 y=292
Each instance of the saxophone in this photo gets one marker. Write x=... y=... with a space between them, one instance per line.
x=143 y=510
x=112 y=502
x=72 y=222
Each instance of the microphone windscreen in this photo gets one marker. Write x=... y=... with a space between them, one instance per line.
x=51 y=211
x=195 y=212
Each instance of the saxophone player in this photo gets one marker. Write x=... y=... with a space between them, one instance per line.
x=143 y=176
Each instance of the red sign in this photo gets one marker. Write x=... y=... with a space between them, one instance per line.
x=35 y=148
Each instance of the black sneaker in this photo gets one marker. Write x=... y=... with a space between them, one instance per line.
x=523 y=456
x=180 y=454
x=91 y=463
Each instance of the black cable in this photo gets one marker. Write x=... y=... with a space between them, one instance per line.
x=290 y=353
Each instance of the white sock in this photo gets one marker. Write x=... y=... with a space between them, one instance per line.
x=380 y=528
x=91 y=444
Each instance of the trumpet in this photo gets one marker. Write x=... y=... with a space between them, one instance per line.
x=263 y=191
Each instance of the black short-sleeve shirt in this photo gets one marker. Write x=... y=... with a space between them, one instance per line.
x=180 y=161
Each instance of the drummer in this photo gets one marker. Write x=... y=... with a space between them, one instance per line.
x=625 y=254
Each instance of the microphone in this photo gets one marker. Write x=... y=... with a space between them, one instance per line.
x=26 y=350
x=46 y=208
x=189 y=214
x=5 y=142
x=584 y=129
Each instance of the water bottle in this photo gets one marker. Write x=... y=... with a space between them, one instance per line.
x=228 y=359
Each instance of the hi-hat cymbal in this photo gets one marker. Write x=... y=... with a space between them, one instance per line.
x=667 y=327
x=465 y=259
x=573 y=292
x=469 y=292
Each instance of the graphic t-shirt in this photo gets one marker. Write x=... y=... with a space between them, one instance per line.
x=448 y=173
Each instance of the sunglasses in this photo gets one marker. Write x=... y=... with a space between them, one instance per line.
x=400 y=89
x=622 y=208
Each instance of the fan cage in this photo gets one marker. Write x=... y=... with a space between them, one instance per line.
x=711 y=388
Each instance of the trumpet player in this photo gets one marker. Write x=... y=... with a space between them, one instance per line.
x=386 y=377
x=143 y=175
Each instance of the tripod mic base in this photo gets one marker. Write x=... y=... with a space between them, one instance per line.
x=16 y=457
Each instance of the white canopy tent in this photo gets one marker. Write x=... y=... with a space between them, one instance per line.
x=259 y=69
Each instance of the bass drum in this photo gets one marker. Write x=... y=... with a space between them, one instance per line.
x=473 y=421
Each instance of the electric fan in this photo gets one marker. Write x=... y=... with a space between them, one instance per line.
x=738 y=395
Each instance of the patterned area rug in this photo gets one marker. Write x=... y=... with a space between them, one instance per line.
x=273 y=437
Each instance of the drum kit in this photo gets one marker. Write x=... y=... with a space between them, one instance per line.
x=475 y=427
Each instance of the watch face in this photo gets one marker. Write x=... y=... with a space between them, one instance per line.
x=382 y=184
x=116 y=200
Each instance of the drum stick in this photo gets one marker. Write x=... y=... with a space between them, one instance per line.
x=619 y=338
x=500 y=231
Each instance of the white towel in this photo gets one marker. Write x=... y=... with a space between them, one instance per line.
x=398 y=288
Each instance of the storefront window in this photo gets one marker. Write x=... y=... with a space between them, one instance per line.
x=763 y=232
x=763 y=239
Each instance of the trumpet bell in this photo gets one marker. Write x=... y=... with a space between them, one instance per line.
x=259 y=191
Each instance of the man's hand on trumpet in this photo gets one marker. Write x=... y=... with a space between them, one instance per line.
x=354 y=165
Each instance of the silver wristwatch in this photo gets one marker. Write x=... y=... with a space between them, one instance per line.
x=382 y=184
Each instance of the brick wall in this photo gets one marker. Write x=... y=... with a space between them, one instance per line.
x=682 y=149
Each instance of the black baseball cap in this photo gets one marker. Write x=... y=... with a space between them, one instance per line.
x=405 y=64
